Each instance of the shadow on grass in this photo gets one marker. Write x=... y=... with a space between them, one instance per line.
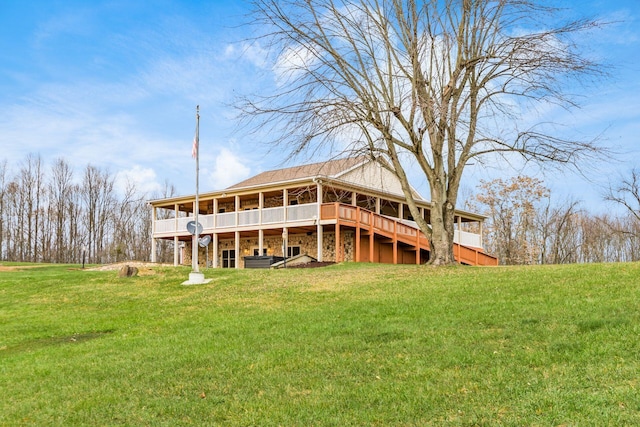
x=39 y=343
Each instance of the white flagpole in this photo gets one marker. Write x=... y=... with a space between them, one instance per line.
x=194 y=249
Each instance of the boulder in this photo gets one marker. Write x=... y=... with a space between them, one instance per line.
x=127 y=271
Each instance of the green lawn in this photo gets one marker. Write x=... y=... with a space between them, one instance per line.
x=353 y=344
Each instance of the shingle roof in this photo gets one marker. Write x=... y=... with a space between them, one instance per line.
x=331 y=168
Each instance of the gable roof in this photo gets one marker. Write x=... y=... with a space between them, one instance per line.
x=331 y=168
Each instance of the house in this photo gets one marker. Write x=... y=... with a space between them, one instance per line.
x=349 y=209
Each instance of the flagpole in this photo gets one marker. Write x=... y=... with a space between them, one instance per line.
x=194 y=249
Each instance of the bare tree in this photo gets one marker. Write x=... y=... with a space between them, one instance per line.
x=435 y=83
x=132 y=226
x=164 y=248
x=627 y=194
x=30 y=181
x=45 y=216
x=99 y=202
x=560 y=233
x=512 y=208
x=61 y=188
x=3 y=213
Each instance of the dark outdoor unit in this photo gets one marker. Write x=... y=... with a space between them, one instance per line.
x=261 y=261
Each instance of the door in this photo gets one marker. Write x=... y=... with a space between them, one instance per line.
x=228 y=258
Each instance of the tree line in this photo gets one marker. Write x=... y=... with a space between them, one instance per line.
x=525 y=225
x=48 y=213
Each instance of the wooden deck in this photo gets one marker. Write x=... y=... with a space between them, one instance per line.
x=393 y=232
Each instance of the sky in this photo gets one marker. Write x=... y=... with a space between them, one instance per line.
x=115 y=84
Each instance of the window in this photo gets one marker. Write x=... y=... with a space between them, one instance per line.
x=293 y=251
x=229 y=258
x=221 y=210
x=256 y=251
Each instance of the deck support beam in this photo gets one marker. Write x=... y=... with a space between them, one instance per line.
x=357 y=257
x=372 y=239
x=395 y=242
x=176 y=251
x=319 y=242
x=237 y=247
x=215 y=250
x=319 y=228
x=338 y=246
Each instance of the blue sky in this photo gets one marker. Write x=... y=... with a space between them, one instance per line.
x=115 y=84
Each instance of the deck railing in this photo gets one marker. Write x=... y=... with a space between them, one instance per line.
x=306 y=212
x=402 y=227
x=468 y=247
x=297 y=213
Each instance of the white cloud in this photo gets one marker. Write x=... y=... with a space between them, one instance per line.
x=251 y=52
x=293 y=62
x=229 y=169
x=144 y=179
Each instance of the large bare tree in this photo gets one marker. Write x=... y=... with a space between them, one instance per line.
x=434 y=83
x=627 y=194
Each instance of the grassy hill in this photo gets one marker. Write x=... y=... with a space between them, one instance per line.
x=353 y=344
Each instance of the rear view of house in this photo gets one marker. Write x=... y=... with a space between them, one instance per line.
x=349 y=209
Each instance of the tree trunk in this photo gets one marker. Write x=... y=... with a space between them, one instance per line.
x=441 y=240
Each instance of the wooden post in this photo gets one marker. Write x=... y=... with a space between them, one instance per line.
x=418 y=247
x=395 y=242
x=237 y=244
x=319 y=229
x=357 y=234
x=215 y=250
x=338 y=247
x=236 y=203
x=372 y=239
x=176 y=251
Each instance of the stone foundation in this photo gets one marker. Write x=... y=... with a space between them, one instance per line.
x=308 y=244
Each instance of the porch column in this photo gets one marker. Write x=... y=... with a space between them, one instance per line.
x=285 y=202
x=260 y=242
x=378 y=205
x=481 y=239
x=401 y=210
x=338 y=247
x=319 y=232
x=357 y=234
x=175 y=217
x=237 y=246
x=236 y=209
x=176 y=251
x=260 y=207
x=372 y=239
x=285 y=242
x=154 y=248
x=354 y=198
x=154 y=244
x=395 y=242
x=319 y=229
x=215 y=250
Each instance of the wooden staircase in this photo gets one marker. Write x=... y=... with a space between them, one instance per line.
x=395 y=232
